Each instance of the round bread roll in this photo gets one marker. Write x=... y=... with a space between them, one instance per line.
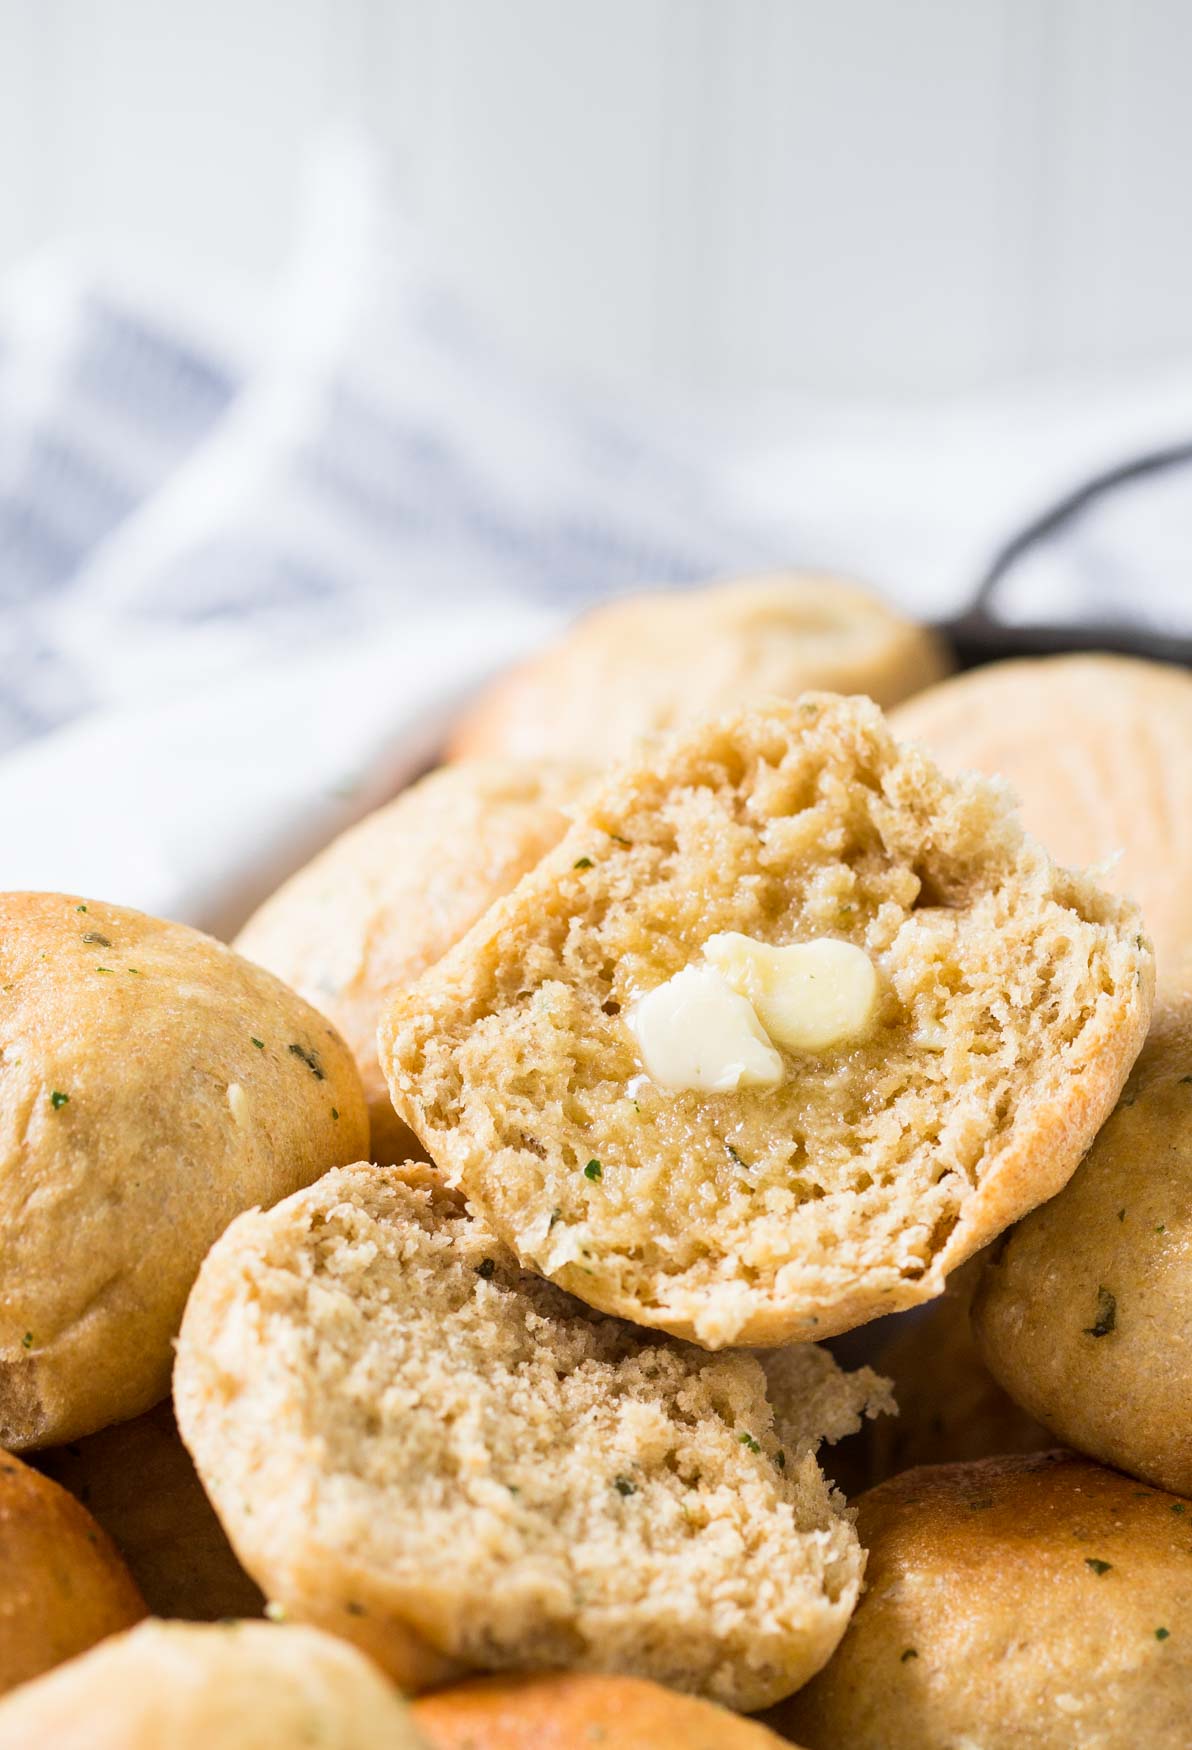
x=231 y=1686
x=651 y=663
x=62 y=1585
x=1084 y=1310
x=382 y=903
x=1096 y=748
x=1010 y=1000
x=152 y=1085
x=456 y=1466
x=949 y=1405
x=566 y=1712
x=1034 y=1601
x=138 y=1480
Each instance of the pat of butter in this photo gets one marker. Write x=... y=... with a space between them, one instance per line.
x=696 y=1032
x=809 y=996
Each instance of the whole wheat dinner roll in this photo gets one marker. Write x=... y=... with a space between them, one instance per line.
x=1096 y=749
x=139 y=1482
x=1084 y=1310
x=62 y=1585
x=683 y=1126
x=1029 y=1603
x=650 y=663
x=561 y=1711
x=949 y=1405
x=457 y=1466
x=226 y=1686
x=382 y=903
x=152 y=1085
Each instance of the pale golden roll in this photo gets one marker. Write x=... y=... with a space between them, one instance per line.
x=563 y=1711
x=138 y=1481
x=649 y=663
x=152 y=1085
x=387 y=898
x=225 y=1686
x=1036 y=1602
x=1096 y=750
x=1084 y=1310
x=458 y=1467
x=1010 y=999
x=62 y=1584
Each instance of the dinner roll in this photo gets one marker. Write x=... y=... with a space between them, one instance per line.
x=62 y=1585
x=649 y=663
x=231 y=1686
x=949 y=1405
x=138 y=1480
x=152 y=1085
x=456 y=1466
x=566 y=1712
x=1096 y=748
x=1084 y=1310
x=597 y=1064
x=391 y=895
x=1035 y=1601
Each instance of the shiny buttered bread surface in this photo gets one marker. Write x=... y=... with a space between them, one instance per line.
x=1096 y=749
x=381 y=904
x=1037 y=1601
x=226 y=1686
x=788 y=1026
x=650 y=663
x=562 y=1711
x=63 y=1585
x=459 y=1467
x=1084 y=1310
x=152 y=1085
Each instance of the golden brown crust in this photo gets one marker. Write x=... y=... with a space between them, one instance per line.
x=456 y=1466
x=138 y=1115
x=1027 y=1603
x=1015 y=997
x=647 y=664
x=387 y=898
x=565 y=1712
x=226 y=1686
x=62 y=1585
x=1096 y=749
x=1082 y=1310
x=138 y=1480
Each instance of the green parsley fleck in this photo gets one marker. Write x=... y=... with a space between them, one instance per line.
x=1106 y=1319
x=750 y=1442
x=108 y=969
x=58 y=1100
x=1162 y=1634
x=1161 y=1229
x=780 y=1460
x=618 y=840
x=555 y=1215
x=1185 y=1079
x=623 y=1486
x=335 y=1114
x=1178 y=1507
x=80 y=908
x=486 y=1268
x=593 y=1171
x=27 y=1340
x=1097 y=1565
x=135 y=970
x=98 y=941
x=259 y=1043
x=582 y=863
x=910 y=1653
x=311 y=1060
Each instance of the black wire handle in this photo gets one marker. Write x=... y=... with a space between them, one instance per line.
x=980 y=636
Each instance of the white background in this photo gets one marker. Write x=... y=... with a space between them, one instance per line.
x=861 y=196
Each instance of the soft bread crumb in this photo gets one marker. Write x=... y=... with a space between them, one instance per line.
x=406 y=1434
x=1013 y=999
